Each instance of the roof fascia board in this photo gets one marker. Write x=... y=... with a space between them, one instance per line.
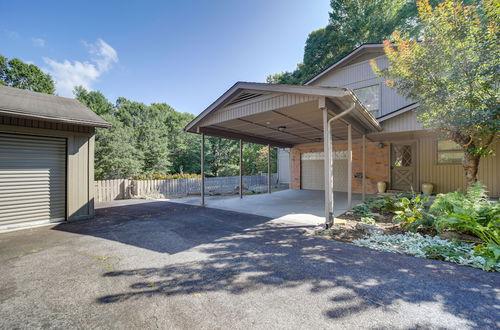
x=398 y=112
x=14 y=113
x=263 y=87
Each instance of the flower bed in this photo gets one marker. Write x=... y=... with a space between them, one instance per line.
x=455 y=227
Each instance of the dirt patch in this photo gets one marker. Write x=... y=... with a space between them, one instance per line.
x=352 y=230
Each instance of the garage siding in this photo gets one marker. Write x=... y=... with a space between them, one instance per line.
x=32 y=178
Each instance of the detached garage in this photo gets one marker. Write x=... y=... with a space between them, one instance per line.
x=46 y=158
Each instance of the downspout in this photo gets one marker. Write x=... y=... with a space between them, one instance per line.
x=329 y=220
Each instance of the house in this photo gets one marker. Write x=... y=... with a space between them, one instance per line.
x=46 y=158
x=369 y=131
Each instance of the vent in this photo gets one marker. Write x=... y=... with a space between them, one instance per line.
x=244 y=97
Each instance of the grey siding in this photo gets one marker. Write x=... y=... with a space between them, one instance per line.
x=80 y=160
x=446 y=177
x=407 y=121
x=361 y=74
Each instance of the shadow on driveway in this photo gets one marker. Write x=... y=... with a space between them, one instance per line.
x=245 y=253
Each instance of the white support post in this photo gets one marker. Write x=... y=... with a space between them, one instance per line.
x=268 y=169
x=349 y=166
x=241 y=168
x=202 y=159
x=363 y=180
x=326 y=153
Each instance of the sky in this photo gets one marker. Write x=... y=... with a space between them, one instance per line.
x=184 y=53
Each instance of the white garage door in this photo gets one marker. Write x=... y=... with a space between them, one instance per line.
x=32 y=179
x=313 y=171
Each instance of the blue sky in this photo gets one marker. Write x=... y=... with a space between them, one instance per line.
x=184 y=53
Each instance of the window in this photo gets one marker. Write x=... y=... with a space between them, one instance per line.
x=448 y=152
x=370 y=97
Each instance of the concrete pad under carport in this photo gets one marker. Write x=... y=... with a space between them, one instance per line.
x=296 y=206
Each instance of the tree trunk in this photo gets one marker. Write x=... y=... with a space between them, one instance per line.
x=470 y=163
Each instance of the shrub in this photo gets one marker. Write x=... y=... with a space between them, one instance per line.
x=470 y=213
x=411 y=213
x=162 y=176
x=429 y=247
x=362 y=210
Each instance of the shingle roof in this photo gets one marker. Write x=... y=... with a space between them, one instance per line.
x=28 y=104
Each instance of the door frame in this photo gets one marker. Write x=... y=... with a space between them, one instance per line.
x=417 y=161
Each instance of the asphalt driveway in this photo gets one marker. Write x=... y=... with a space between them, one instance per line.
x=142 y=264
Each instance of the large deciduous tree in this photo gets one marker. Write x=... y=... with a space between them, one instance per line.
x=352 y=23
x=16 y=73
x=453 y=72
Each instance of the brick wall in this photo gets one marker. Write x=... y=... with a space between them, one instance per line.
x=377 y=163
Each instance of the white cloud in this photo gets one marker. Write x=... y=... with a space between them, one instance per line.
x=13 y=35
x=38 y=42
x=68 y=74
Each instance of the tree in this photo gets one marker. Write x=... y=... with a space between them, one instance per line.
x=94 y=100
x=16 y=73
x=453 y=72
x=352 y=23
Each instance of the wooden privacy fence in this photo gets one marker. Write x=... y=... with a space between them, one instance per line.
x=108 y=190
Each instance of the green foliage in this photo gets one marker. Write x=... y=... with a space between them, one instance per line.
x=411 y=212
x=368 y=220
x=362 y=210
x=432 y=248
x=148 y=141
x=470 y=213
x=16 y=73
x=161 y=176
x=351 y=24
x=453 y=73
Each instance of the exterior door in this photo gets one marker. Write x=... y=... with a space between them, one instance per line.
x=403 y=166
x=32 y=179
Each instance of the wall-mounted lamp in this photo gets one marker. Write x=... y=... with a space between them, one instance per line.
x=281 y=128
x=381 y=145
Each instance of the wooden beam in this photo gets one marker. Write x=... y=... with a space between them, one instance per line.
x=247 y=138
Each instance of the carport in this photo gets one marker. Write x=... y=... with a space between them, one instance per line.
x=289 y=116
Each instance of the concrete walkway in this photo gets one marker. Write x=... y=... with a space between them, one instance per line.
x=291 y=206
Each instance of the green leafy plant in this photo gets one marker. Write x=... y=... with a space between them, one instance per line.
x=430 y=247
x=411 y=212
x=362 y=210
x=470 y=213
x=368 y=220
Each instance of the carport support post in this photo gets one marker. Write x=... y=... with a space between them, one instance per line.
x=268 y=168
x=363 y=179
x=202 y=159
x=241 y=168
x=326 y=153
x=349 y=166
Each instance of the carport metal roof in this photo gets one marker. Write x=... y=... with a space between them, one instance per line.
x=282 y=115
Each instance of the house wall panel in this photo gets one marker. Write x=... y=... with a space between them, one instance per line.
x=407 y=121
x=450 y=177
x=361 y=74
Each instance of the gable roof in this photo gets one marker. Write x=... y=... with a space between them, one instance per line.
x=27 y=104
x=242 y=91
x=344 y=60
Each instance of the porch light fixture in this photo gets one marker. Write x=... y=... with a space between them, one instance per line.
x=281 y=128
x=317 y=139
x=381 y=145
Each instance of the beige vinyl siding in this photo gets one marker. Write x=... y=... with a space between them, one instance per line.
x=360 y=74
x=255 y=106
x=450 y=177
x=402 y=123
x=79 y=159
x=32 y=178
